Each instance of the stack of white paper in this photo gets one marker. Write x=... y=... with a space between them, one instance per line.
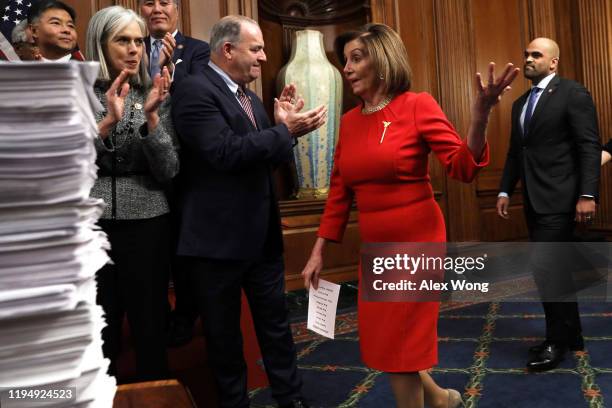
x=50 y=248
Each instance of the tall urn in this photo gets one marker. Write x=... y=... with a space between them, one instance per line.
x=319 y=83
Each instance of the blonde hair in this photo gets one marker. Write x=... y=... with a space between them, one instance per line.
x=102 y=28
x=388 y=54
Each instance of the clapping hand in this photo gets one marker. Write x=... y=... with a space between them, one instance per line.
x=165 y=57
x=159 y=91
x=115 y=104
x=157 y=94
x=289 y=99
x=288 y=110
x=115 y=97
x=490 y=94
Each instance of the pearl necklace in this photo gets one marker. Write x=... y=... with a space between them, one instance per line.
x=380 y=106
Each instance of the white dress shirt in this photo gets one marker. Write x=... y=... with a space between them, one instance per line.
x=65 y=58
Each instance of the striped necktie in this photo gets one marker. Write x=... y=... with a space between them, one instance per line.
x=245 y=102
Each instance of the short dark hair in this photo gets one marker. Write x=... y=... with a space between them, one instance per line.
x=38 y=9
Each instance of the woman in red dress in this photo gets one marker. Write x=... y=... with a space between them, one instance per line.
x=382 y=160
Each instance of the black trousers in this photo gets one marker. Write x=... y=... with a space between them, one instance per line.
x=217 y=285
x=185 y=307
x=136 y=285
x=562 y=318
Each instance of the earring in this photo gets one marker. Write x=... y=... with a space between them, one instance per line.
x=381 y=76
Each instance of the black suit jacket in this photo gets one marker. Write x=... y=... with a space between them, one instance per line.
x=559 y=159
x=194 y=55
x=226 y=193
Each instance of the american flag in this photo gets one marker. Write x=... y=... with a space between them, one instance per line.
x=12 y=12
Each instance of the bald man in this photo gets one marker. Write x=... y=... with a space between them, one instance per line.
x=555 y=152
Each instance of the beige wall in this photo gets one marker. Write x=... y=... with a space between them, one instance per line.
x=203 y=14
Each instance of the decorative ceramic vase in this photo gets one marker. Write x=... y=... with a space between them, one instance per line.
x=319 y=83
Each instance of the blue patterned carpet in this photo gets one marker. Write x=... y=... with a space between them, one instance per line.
x=482 y=353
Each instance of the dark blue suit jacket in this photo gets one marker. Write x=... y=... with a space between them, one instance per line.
x=226 y=194
x=194 y=55
x=559 y=159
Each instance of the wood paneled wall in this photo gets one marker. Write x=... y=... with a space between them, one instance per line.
x=447 y=42
x=464 y=36
x=454 y=96
x=595 y=24
x=84 y=11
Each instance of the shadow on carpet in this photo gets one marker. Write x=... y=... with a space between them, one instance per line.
x=482 y=353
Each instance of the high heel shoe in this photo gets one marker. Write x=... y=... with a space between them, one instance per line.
x=454 y=398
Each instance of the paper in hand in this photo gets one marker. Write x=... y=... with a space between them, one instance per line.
x=322 y=307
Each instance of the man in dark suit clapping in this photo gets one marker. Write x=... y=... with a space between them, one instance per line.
x=166 y=45
x=230 y=227
x=555 y=153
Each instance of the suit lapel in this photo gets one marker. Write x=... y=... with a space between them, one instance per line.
x=544 y=98
x=260 y=112
x=220 y=83
x=147 y=42
x=180 y=46
x=178 y=51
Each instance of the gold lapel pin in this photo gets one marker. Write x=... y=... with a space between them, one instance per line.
x=386 y=125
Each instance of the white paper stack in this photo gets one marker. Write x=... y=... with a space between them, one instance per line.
x=50 y=248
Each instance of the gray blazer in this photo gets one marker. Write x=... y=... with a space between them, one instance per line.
x=135 y=167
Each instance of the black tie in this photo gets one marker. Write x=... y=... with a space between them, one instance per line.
x=529 y=111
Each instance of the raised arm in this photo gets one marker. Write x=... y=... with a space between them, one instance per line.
x=487 y=96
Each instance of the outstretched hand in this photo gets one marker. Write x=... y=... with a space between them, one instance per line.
x=490 y=94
